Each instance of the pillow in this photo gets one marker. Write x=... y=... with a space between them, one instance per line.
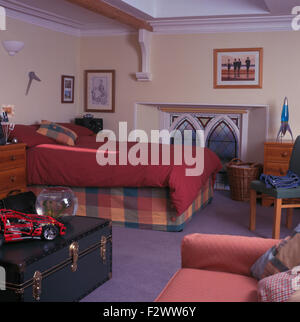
x=27 y=134
x=58 y=132
x=279 y=258
x=78 y=129
x=279 y=287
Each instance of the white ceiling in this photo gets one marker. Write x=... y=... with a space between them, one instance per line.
x=165 y=16
x=192 y=8
x=159 y=9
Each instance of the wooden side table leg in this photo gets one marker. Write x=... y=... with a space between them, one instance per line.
x=252 y=210
x=277 y=218
x=289 y=218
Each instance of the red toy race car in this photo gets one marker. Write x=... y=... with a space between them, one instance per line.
x=16 y=226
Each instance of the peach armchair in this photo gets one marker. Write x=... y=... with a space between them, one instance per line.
x=216 y=268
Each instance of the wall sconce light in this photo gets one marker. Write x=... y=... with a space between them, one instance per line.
x=12 y=46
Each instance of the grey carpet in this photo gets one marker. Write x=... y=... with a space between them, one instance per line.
x=144 y=260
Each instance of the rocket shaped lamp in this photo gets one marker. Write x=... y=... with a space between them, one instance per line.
x=284 y=121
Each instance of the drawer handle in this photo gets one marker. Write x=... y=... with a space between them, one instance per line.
x=12 y=178
x=284 y=154
x=13 y=158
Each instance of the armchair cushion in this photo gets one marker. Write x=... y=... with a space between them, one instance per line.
x=226 y=253
x=196 y=285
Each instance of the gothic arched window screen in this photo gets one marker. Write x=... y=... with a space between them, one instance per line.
x=223 y=142
x=186 y=124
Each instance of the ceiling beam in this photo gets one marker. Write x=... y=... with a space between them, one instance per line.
x=111 y=12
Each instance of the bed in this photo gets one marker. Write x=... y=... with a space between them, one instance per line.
x=159 y=197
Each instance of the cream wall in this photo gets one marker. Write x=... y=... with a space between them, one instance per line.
x=182 y=68
x=50 y=54
x=122 y=54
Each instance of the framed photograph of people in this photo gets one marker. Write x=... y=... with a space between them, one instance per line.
x=238 y=68
x=100 y=91
x=67 y=89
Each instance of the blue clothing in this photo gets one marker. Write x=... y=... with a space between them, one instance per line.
x=291 y=180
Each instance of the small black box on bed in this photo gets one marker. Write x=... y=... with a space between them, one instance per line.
x=94 y=124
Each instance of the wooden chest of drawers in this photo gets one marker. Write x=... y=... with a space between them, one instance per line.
x=276 y=161
x=12 y=169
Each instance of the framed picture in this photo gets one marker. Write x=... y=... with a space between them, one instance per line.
x=238 y=68
x=100 y=91
x=67 y=89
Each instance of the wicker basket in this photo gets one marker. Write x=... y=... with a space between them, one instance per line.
x=240 y=174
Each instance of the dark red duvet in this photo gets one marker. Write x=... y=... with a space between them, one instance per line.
x=50 y=164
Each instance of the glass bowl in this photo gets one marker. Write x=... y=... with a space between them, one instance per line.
x=57 y=202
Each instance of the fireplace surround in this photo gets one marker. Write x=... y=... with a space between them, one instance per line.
x=247 y=124
x=230 y=130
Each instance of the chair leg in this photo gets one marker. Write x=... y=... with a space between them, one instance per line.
x=253 y=197
x=277 y=218
x=289 y=218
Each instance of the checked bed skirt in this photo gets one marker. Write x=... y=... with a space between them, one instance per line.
x=145 y=208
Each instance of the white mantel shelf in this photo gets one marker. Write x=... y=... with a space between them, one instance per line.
x=202 y=105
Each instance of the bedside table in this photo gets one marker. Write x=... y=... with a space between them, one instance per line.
x=12 y=169
x=276 y=161
x=94 y=124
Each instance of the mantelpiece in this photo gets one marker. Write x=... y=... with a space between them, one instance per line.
x=251 y=132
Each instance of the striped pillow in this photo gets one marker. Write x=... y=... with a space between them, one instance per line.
x=279 y=287
x=58 y=132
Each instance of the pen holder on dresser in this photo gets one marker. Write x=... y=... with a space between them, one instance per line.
x=6 y=126
x=2 y=138
x=5 y=130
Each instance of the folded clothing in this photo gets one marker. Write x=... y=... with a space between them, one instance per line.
x=291 y=180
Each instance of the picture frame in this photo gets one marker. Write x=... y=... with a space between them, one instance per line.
x=99 y=91
x=67 y=89
x=238 y=68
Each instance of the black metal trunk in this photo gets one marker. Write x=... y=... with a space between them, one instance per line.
x=65 y=269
